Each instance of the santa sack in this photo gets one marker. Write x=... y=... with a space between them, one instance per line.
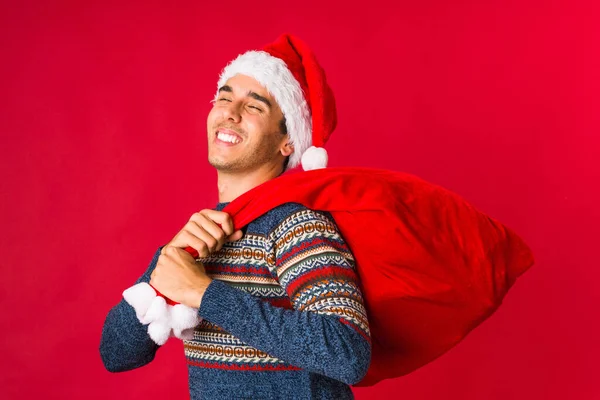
x=431 y=266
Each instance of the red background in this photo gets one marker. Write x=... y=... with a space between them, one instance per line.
x=103 y=156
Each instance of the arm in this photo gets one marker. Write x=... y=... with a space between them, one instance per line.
x=125 y=344
x=327 y=332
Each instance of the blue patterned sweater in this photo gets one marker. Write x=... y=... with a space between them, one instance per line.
x=283 y=318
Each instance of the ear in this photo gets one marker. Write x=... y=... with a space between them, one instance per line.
x=287 y=149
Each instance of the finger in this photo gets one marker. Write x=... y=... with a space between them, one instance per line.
x=182 y=253
x=237 y=235
x=194 y=236
x=211 y=242
x=196 y=240
x=221 y=218
x=211 y=228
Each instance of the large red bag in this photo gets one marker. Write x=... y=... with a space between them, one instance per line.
x=431 y=266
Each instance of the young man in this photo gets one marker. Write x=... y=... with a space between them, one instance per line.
x=281 y=306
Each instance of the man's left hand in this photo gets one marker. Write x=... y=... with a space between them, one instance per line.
x=180 y=277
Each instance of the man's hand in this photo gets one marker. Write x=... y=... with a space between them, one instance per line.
x=177 y=275
x=180 y=277
x=203 y=233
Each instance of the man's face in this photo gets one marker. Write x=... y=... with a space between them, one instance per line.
x=244 y=128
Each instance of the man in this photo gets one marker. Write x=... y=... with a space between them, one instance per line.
x=281 y=306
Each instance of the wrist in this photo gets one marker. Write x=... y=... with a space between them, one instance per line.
x=198 y=292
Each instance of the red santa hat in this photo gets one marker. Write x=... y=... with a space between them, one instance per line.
x=289 y=70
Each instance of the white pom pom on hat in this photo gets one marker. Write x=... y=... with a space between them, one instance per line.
x=289 y=70
x=314 y=158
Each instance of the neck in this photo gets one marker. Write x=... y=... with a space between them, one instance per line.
x=233 y=184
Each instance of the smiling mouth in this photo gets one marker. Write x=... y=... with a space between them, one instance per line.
x=228 y=136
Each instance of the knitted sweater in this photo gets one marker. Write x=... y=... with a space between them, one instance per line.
x=283 y=317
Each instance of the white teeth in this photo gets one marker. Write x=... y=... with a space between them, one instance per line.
x=227 y=138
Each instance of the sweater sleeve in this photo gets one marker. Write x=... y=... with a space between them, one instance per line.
x=327 y=332
x=125 y=344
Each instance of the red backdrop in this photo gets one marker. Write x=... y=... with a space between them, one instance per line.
x=103 y=156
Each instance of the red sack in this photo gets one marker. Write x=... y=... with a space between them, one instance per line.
x=432 y=267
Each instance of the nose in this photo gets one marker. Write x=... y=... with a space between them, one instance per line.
x=232 y=112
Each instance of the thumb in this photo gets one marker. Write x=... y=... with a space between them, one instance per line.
x=235 y=236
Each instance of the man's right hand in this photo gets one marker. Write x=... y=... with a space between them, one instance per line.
x=203 y=233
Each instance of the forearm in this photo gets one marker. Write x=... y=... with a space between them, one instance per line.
x=315 y=342
x=125 y=343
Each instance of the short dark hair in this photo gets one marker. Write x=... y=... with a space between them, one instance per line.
x=283 y=129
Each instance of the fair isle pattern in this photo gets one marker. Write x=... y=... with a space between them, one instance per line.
x=316 y=268
x=314 y=259
x=212 y=347
x=245 y=265
x=301 y=263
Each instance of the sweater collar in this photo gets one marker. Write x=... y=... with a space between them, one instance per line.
x=221 y=206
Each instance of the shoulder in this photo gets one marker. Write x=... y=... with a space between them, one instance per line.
x=306 y=231
x=288 y=215
x=295 y=217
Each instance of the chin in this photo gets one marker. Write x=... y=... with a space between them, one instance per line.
x=222 y=165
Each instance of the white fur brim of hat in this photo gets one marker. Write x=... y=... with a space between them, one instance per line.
x=272 y=73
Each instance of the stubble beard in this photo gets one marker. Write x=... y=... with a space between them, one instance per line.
x=251 y=159
x=229 y=166
x=244 y=163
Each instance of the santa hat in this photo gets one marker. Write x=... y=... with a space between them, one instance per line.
x=289 y=70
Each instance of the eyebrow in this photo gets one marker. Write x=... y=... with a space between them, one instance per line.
x=259 y=98
x=254 y=95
